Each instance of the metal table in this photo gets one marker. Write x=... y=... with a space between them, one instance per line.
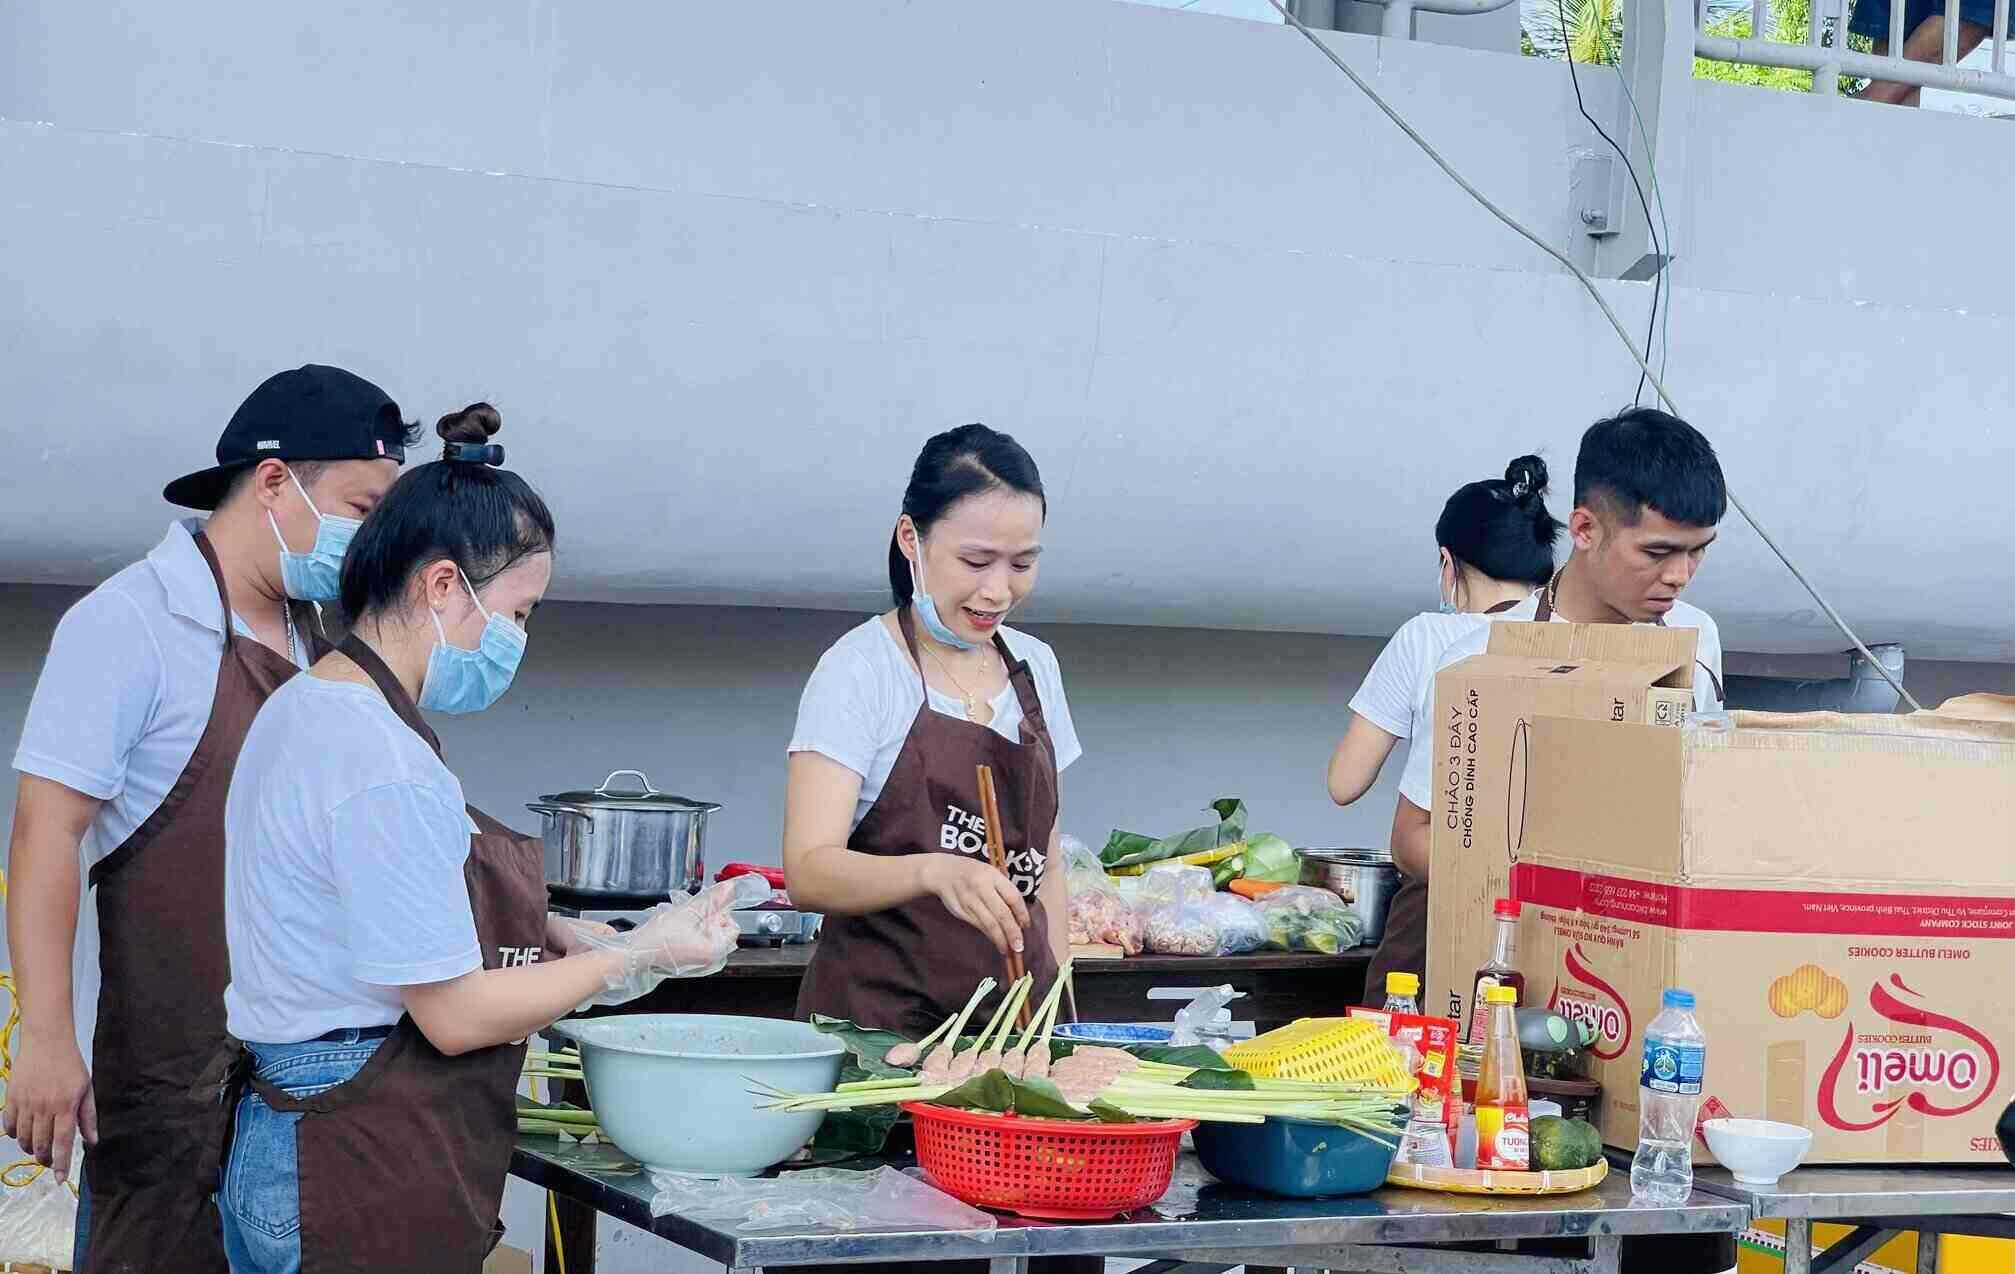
x=1879 y=1203
x=1201 y=1224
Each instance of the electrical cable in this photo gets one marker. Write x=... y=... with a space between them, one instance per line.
x=1595 y=293
x=1665 y=224
x=1657 y=246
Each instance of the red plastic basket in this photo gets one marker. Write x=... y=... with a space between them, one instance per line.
x=1048 y=1168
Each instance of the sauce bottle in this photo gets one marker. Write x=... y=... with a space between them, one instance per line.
x=1501 y=971
x=1503 y=1118
x=1402 y=993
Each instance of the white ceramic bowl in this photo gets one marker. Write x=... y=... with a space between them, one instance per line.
x=672 y=1089
x=1757 y=1151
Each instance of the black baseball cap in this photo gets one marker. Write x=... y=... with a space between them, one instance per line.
x=310 y=413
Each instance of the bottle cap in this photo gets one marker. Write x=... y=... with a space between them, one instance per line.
x=1402 y=984
x=1506 y=907
x=1678 y=999
x=1501 y=995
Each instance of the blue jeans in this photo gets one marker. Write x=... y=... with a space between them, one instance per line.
x=83 y=1239
x=261 y=1197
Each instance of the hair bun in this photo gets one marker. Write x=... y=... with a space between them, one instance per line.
x=1527 y=478
x=478 y=422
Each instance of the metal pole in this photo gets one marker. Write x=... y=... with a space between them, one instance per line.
x=1759 y=19
x=1896 y=31
x=1927 y=1253
x=1951 y=32
x=1798 y=1245
x=2000 y=36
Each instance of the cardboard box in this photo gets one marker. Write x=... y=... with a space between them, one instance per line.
x=1837 y=891
x=508 y=1260
x=1484 y=708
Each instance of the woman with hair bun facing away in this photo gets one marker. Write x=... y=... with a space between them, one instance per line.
x=390 y=946
x=1496 y=539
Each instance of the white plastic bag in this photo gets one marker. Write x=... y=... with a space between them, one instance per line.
x=818 y=1198
x=1175 y=911
x=38 y=1223
x=1098 y=911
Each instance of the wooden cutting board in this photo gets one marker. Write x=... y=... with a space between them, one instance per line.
x=1096 y=951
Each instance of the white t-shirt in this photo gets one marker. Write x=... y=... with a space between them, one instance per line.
x=863 y=697
x=1387 y=698
x=1417 y=783
x=344 y=843
x=122 y=700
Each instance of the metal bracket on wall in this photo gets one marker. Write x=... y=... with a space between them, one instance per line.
x=1592 y=189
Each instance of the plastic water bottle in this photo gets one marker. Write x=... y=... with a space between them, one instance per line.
x=1668 y=1097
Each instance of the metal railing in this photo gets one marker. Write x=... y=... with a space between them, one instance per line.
x=1829 y=60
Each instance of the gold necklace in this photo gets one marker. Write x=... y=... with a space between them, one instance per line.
x=965 y=696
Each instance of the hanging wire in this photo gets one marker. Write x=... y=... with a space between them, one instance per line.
x=1622 y=334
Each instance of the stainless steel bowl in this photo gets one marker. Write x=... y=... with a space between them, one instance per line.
x=1364 y=878
x=635 y=842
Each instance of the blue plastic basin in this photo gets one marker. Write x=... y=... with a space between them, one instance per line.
x=1293 y=1157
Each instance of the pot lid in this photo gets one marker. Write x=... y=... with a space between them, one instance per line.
x=638 y=796
x=1349 y=857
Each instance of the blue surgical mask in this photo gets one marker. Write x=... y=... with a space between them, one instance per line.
x=317 y=575
x=927 y=609
x=460 y=680
x=1448 y=606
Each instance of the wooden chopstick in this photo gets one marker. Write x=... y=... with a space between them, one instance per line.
x=997 y=855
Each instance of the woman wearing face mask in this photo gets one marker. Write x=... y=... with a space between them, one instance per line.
x=390 y=947
x=883 y=829
x=1496 y=541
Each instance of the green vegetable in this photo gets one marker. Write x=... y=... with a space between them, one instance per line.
x=1268 y=857
x=1563 y=1144
x=869 y=1047
x=1131 y=849
x=1227 y=871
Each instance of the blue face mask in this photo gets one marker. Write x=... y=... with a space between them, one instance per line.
x=1448 y=606
x=927 y=609
x=460 y=680
x=315 y=576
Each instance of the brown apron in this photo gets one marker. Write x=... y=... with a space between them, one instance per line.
x=909 y=968
x=402 y=1166
x=163 y=967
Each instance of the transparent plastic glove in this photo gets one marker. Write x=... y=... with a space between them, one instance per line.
x=687 y=939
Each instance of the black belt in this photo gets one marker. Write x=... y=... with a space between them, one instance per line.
x=362 y=1033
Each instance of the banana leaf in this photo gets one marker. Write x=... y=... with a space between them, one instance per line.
x=996 y=1092
x=1200 y=1057
x=1268 y=857
x=1131 y=849
x=870 y=1048
x=1219 y=1081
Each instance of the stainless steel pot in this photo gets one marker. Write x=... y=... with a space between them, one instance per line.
x=635 y=842
x=1364 y=878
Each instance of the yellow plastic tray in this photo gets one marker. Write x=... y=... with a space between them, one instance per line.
x=1478 y=1181
x=1327 y=1050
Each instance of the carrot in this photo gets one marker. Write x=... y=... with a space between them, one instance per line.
x=1254 y=889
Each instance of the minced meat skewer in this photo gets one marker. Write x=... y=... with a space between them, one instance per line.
x=937 y=1067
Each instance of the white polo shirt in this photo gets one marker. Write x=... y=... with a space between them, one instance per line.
x=1417 y=783
x=122 y=700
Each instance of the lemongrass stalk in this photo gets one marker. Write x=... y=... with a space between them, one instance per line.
x=950 y=1042
x=547 y=1128
x=923 y=1045
x=1043 y=1010
x=979 y=1044
x=1055 y=1005
x=1016 y=998
x=551 y=1115
x=869 y=1085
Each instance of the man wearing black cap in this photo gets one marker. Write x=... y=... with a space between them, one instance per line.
x=150 y=684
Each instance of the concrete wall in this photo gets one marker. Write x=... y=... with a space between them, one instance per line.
x=724 y=267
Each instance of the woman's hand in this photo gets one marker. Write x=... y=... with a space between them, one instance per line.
x=566 y=934
x=977 y=894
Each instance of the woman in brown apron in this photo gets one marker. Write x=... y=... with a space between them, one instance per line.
x=882 y=829
x=382 y=1141
x=1496 y=540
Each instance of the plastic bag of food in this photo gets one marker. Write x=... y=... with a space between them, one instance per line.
x=1238 y=923
x=1174 y=911
x=38 y=1221
x=1098 y=911
x=819 y=1198
x=1300 y=918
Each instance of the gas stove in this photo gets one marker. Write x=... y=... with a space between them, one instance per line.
x=771 y=924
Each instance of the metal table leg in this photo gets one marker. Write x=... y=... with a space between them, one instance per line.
x=1798 y=1246
x=1927 y=1253
x=1008 y=1265
x=1860 y=1244
x=577 y=1233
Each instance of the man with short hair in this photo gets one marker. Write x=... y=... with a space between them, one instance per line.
x=150 y=684
x=1648 y=495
